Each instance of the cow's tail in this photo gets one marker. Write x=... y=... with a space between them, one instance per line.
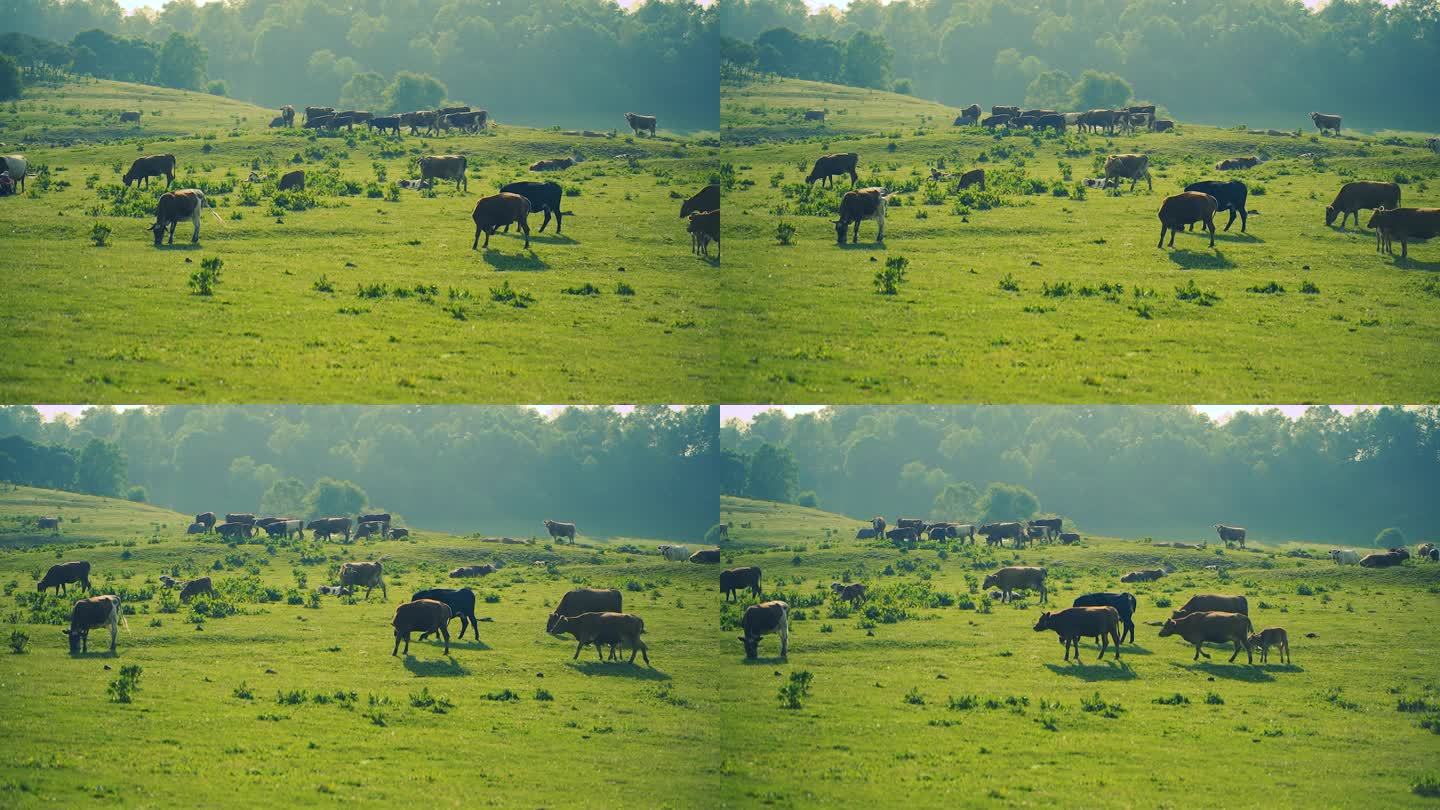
x=120 y=610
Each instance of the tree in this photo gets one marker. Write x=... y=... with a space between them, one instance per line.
x=1096 y=90
x=772 y=475
x=414 y=91
x=1390 y=538
x=182 y=62
x=1049 y=90
x=9 y=78
x=101 y=469
x=808 y=499
x=331 y=497
x=364 y=91
x=956 y=501
x=284 y=497
x=1007 y=502
x=867 y=61
x=137 y=494
x=217 y=87
x=733 y=468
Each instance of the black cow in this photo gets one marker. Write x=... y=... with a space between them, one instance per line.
x=462 y=604
x=542 y=196
x=738 y=579
x=1230 y=195
x=1124 y=604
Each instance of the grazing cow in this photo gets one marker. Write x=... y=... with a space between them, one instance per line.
x=908 y=534
x=584 y=600
x=1162 y=125
x=1069 y=538
x=761 y=620
x=641 y=123
x=129 y=116
x=972 y=178
x=828 y=166
x=468 y=121
x=1123 y=603
x=852 y=593
x=186 y=203
x=51 y=523
x=234 y=531
x=292 y=180
x=814 y=115
x=708 y=556
x=968 y=116
x=1384 y=559
x=1360 y=194
x=552 y=164
x=367 y=575
x=1129 y=167
x=961 y=531
x=1053 y=121
x=999 y=110
x=675 y=553
x=399 y=532
x=1071 y=624
x=1426 y=551
x=195 y=587
x=865 y=534
x=704 y=227
x=996 y=533
x=324 y=527
x=1230 y=534
x=1344 y=556
x=461 y=602
x=996 y=121
x=558 y=529
x=384 y=123
x=1144 y=575
x=168 y=581
x=424 y=615
x=1181 y=210
x=334 y=590
x=1099 y=119
x=472 y=571
x=500 y=210
x=1325 y=122
x=1015 y=578
x=1213 y=602
x=1021 y=121
x=1213 y=626
x=62 y=574
x=611 y=628
x=196 y=528
x=856 y=207
x=207 y=518
x=150 y=166
x=733 y=580
x=1230 y=195
x=370 y=528
x=445 y=167
x=287 y=114
x=543 y=197
x=706 y=199
x=1051 y=526
x=1231 y=164
x=1272 y=637
x=286 y=528
x=317 y=112
x=1404 y=224
x=17 y=167
x=97 y=611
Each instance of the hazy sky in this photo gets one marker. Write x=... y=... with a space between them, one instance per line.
x=1217 y=412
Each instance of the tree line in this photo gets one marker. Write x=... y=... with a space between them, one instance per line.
x=500 y=469
x=1124 y=470
x=539 y=63
x=1218 y=61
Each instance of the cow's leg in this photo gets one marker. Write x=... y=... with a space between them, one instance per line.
x=1210 y=226
x=487 y=238
x=475 y=243
x=578 y=647
x=1197 y=652
x=547 y=222
x=445 y=633
x=525 y=227
x=195 y=220
x=1044 y=595
x=396 y=650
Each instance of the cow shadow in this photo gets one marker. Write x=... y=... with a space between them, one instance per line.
x=186 y=246
x=713 y=261
x=1280 y=668
x=1132 y=648
x=98 y=654
x=1237 y=236
x=1107 y=671
x=862 y=246
x=517 y=262
x=446 y=667
x=552 y=238
x=618 y=669
x=1238 y=671
x=1412 y=264
x=1192 y=260
x=772 y=661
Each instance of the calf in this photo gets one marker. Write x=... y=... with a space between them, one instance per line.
x=995 y=121
x=543 y=197
x=195 y=587
x=828 y=166
x=1069 y=538
x=1405 y=224
x=207 y=518
x=1162 y=125
x=852 y=593
x=461 y=602
x=1017 y=577
x=128 y=116
x=1229 y=196
x=1354 y=196
x=497 y=210
x=1272 y=637
x=1231 y=164
x=385 y=123
x=425 y=616
x=445 y=167
x=761 y=620
x=97 y=611
x=705 y=228
x=864 y=534
x=367 y=575
x=552 y=164
x=733 y=580
x=615 y=629
x=150 y=166
x=1129 y=167
x=1181 y=210
x=1123 y=603
x=62 y=574
x=856 y=207
x=1216 y=627
x=1073 y=623
x=472 y=571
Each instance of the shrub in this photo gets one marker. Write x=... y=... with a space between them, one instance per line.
x=1176 y=699
x=1390 y=538
x=100 y=234
x=1308 y=287
x=888 y=281
x=1212 y=699
x=962 y=703
x=797 y=688
x=243 y=692
x=18 y=640
x=1428 y=786
x=914 y=698
x=424 y=700
x=123 y=688
x=1009 y=284
x=543 y=695
x=784 y=232
x=207 y=278
x=1272 y=288
x=1190 y=292
x=503 y=695
x=585 y=289
x=505 y=295
x=1162 y=601
x=621 y=288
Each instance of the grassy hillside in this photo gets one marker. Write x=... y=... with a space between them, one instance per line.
x=290 y=677
x=933 y=693
x=1032 y=293
x=354 y=290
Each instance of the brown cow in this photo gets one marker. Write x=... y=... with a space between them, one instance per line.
x=500 y=209
x=704 y=227
x=1231 y=164
x=972 y=177
x=761 y=620
x=292 y=180
x=445 y=167
x=1359 y=194
x=151 y=166
x=1213 y=602
x=1272 y=637
x=1213 y=626
x=1017 y=577
x=128 y=116
x=187 y=203
x=1184 y=208
x=196 y=587
x=552 y=164
x=1384 y=559
x=1129 y=167
x=368 y=575
x=828 y=166
x=856 y=207
x=814 y=115
x=472 y=571
x=615 y=629
x=706 y=199
x=287 y=113
x=62 y=574
x=97 y=611
x=585 y=600
x=852 y=593
x=424 y=616
x=1070 y=624
x=1404 y=224
x=706 y=555
x=733 y=580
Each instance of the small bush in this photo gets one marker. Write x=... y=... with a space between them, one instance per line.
x=784 y=232
x=18 y=640
x=1176 y=699
x=962 y=703
x=424 y=700
x=797 y=688
x=515 y=298
x=621 y=288
x=323 y=284
x=207 y=278
x=914 y=698
x=504 y=695
x=1308 y=287
x=888 y=281
x=243 y=692
x=1272 y=288
x=123 y=688
x=1212 y=699
x=584 y=289
x=1190 y=292
x=1009 y=284
x=543 y=695
x=1428 y=786
x=1162 y=601
x=100 y=234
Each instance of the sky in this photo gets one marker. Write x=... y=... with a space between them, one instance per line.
x=51 y=412
x=1219 y=413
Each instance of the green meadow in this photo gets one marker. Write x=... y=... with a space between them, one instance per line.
x=1039 y=289
x=933 y=694
x=354 y=290
x=268 y=696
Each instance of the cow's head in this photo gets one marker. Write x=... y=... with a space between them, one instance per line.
x=557 y=624
x=1330 y=213
x=1169 y=629
x=1377 y=218
x=76 y=637
x=840 y=231
x=752 y=646
x=989 y=581
x=158 y=229
x=1044 y=622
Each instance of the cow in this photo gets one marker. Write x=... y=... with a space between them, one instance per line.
x=1129 y=167
x=1001 y=110
x=543 y=197
x=150 y=166
x=87 y=614
x=186 y=203
x=1021 y=121
x=317 y=112
x=277 y=122
x=425 y=615
x=675 y=553
x=995 y=533
x=62 y=574
x=706 y=556
x=969 y=116
x=971 y=178
x=1213 y=602
x=195 y=587
x=51 y=523
x=1051 y=526
x=461 y=602
x=1123 y=603
x=860 y=205
x=611 y=628
x=1232 y=164
x=1053 y=121
x=287 y=114
x=704 y=227
x=852 y=593
x=733 y=580
x=500 y=209
x=468 y=121
x=1384 y=559
x=640 y=123
x=417 y=185
x=129 y=116
x=324 y=527
x=996 y=121
x=292 y=181
x=1230 y=534
x=472 y=571
x=367 y=575
x=1069 y=538
x=814 y=115
x=17 y=167
x=1184 y=208
x=908 y=534
x=962 y=532
x=552 y=164
x=385 y=123
x=706 y=199
x=1015 y=578
x=240 y=517
x=1405 y=224
x=1272 y=637
x=399 y=532
x=197 y=528
x=1230 y=195
x=584 y=600
x=558 y=529
x=865 y=534
x=286 y=528
x=1426 y=551
x=1144 y=575
x=1071 y=624
x=1162 y=125
x=828 y=166
x=207 y=518
x=445 y=167
x=168 y=581
x=1099 y=119
x=938 y=531
x=234 y=531
x=334 y=590
x=761 y=620
x=370 y=528
x=1037 y=113
x=878 y=524
x=1344 y=556
x=1433 y=144
x=1359 y=194
x=1325 y=122
x=1213 y=626
x=428 y=119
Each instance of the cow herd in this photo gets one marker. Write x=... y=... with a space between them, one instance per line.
x=911 y=530
x=244 y=525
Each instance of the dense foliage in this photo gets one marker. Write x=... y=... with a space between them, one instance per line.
x=495 y=469
x=1134 y=470
x=1217 y=61
x=570 y=62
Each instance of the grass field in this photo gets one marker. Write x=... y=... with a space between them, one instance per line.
x=1030 y=293
x=355 y=290
x=295 y=705
x=927 y=699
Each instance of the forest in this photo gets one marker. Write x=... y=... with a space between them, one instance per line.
x=1265 y=63
x=647 y=473
x=544 y=63
x=1124 y=470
